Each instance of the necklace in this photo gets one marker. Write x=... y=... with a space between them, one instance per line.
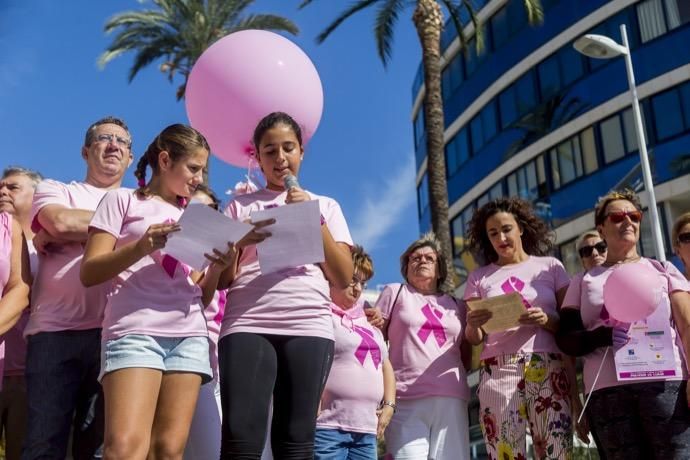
x=624 y=261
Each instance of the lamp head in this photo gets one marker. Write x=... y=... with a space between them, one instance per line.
x=599 y=47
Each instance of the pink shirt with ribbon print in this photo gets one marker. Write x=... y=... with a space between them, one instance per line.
x=355 y=383
x=424 y=334
x=155 y=295
x=537 y=280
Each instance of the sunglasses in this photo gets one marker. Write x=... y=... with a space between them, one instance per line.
x=587 y=251
x=684 y=238
x=619 y=216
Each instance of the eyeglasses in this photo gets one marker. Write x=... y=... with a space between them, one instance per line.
x=684 y=238
x=355 y=281
x=619 y=216
x=418 y=259
x=108 y=138
x=587 y=251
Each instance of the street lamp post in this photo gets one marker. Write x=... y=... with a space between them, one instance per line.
x=602 y=47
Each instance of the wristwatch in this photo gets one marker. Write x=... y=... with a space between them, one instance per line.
x=390 y=404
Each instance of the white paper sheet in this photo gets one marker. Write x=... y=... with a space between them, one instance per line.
x=295 y=237
x=202 y=230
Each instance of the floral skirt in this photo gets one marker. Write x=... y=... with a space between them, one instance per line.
x=522 y=392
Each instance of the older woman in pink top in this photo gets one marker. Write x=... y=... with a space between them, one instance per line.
x=634 y=419
x=155 y=351
x=359 y=398
x=525 y=382
x=424 y=328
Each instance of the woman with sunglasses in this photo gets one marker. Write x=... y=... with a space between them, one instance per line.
x=592 y=249
x=525 y=382
x=681 y=241
x=629 y=420
x=424 y=328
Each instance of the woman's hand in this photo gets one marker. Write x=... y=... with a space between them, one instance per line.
x=221 y=260
x=374 y=316
x=296 y=195
x=156 y=237
x=477 y=318
x=255 y=236
x=385 y=413
x=535 y=316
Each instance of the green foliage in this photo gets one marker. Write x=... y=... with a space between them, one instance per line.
x=179 y=31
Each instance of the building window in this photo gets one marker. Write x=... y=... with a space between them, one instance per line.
x=477 y=133
x=668 y=115
x=529 y=181
x=423 y=195
x=570 y=257
x=452 y=77
x=489 y=125
x=685 y=98
x=419 y=126
x=612 y=139
x=573 y=158
x=589 y=150
x=572 y=67
x=507 y=107
x=650 y=18
x=678 y=12
x=457 y=152
x=499 y=28
x=525 y=94
x=549 y=77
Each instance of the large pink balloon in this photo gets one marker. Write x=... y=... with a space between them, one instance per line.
x=632 y=292
x=242 y=78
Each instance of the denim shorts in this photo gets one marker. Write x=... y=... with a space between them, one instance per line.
x=167 y=354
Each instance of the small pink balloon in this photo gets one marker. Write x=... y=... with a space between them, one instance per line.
x=243 y=77
x=633 y=292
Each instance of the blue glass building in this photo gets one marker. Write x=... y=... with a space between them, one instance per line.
x=532 y=117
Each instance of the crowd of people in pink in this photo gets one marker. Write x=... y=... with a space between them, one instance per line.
x=112 y=348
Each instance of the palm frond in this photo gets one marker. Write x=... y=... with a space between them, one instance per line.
x=385 y=24
x=535 y=11
x=304 y=3
x=267 y=22
x=356 y=7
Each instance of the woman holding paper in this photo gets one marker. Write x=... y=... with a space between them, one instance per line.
x=524 y=381
x=277 y=334
x=424 y=327
x=629 y=419
x=155 y=352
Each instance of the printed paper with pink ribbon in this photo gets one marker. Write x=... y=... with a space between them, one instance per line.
x=505 y=309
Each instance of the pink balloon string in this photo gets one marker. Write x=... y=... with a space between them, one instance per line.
x=432 y=325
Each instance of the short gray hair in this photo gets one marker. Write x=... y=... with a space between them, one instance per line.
x=35 y=176
x=427 y=240
x=588 y=234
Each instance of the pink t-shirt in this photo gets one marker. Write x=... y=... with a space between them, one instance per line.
x=15 y=343
x=586 y=293
x=214 y=316
x=59 y=301
x=424 y=335
x=5 y=269
x=295 y=301
x=355 y=384
x=155 y=295
x=537 y=279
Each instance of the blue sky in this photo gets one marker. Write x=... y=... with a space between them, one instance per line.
x=362 y=154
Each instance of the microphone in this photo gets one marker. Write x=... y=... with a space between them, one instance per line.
x=290 y=181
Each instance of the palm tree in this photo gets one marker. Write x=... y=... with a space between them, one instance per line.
x=428 y=21
x=179 y=31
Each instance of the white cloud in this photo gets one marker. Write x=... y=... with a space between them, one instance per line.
x=383 y=209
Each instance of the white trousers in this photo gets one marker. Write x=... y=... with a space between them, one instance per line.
x=433 y=428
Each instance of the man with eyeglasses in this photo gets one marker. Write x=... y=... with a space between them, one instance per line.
x=592 y=249
x=64 y=329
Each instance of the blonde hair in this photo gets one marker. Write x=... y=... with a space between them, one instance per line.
x=614 y=195
x=586 y=235
x=362 y=262
x=682 y=220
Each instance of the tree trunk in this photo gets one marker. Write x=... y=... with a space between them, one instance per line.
x=428 y=20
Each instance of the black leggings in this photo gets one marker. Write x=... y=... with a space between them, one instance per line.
x=254 y=367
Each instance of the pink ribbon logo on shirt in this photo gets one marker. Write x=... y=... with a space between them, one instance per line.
x=222 y=300
x=366 y=346
x=432 y=326
x=515 y=284
x=169 y=264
